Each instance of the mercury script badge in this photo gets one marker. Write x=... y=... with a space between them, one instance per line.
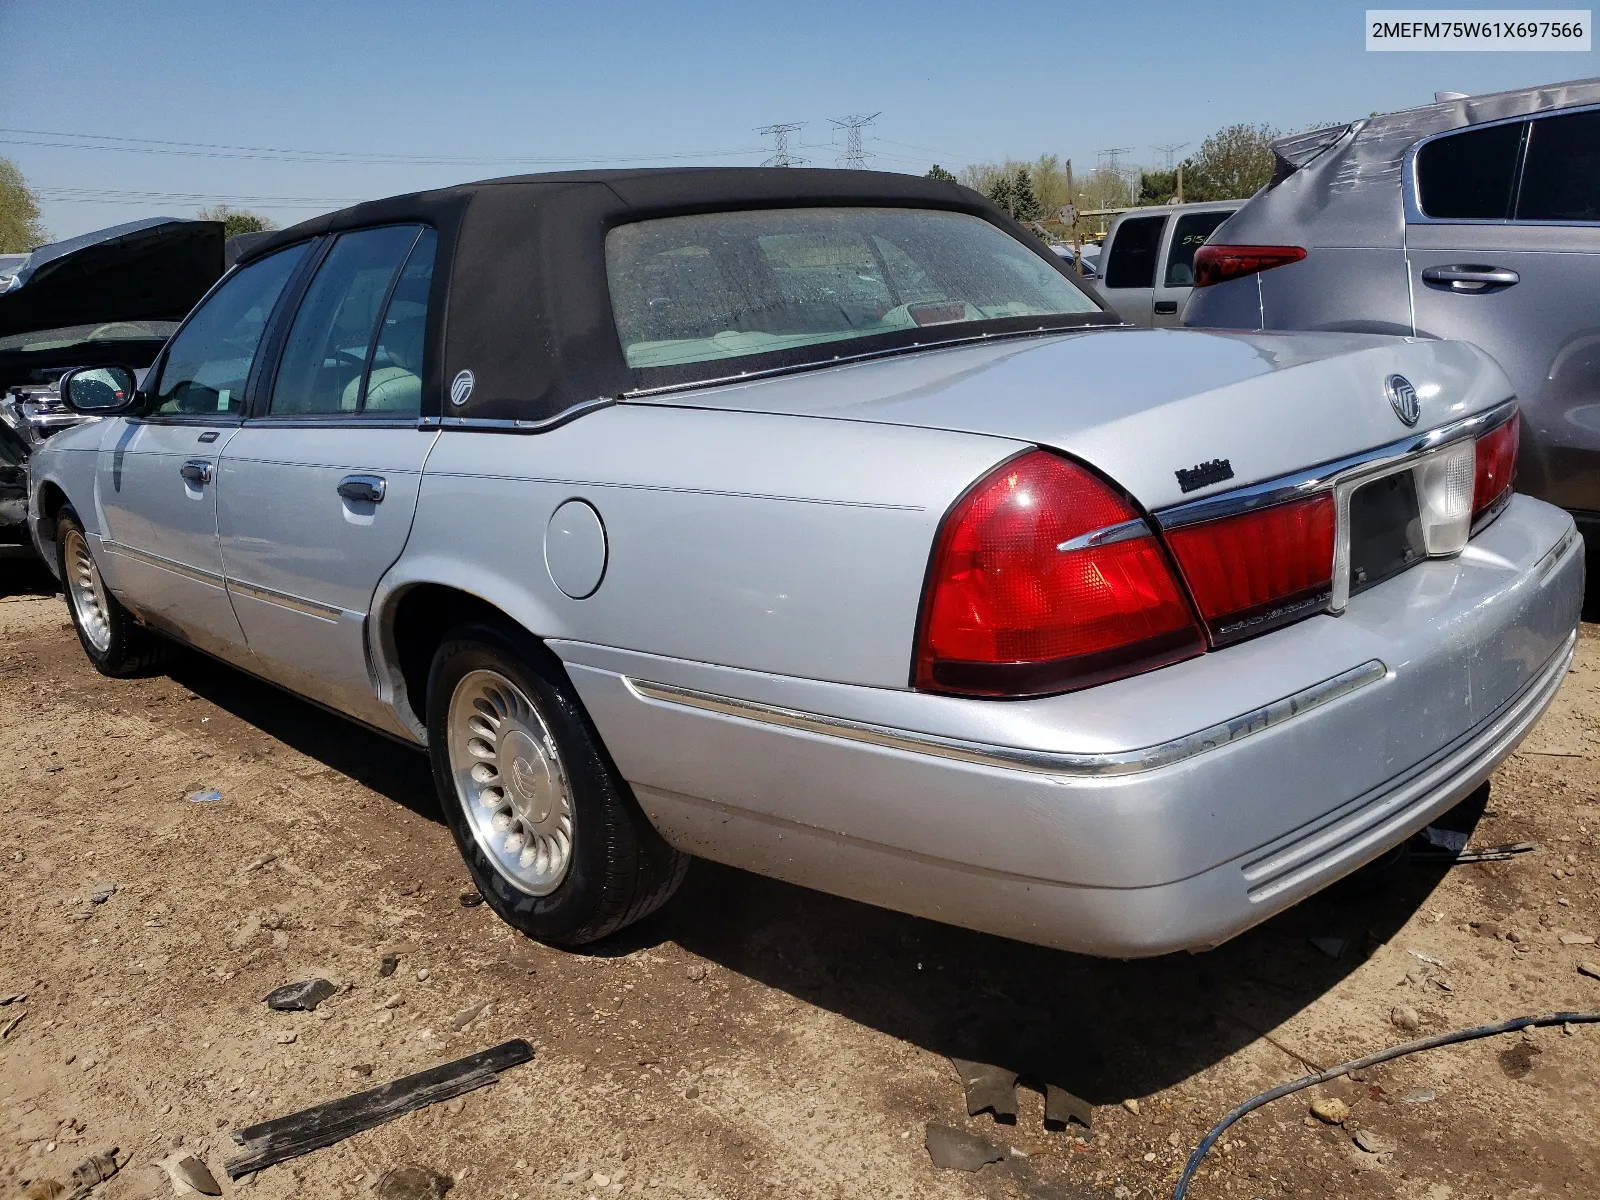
x=461 y=388
x=1403 y=398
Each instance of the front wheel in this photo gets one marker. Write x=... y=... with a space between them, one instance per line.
x=116 y=644
x=550 y=832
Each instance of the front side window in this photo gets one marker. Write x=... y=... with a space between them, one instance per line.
x=1133 y=253
x=1469 y=176
x=325 y=356
x=1189 y=235
x=209 y=362
x=1561 y=177
x=710 y=286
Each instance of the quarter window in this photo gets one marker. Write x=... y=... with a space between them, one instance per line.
x=1561 y=179
x=1189 y=235
x=1469 y=176
x=325 y=357
x=1133 y=253
x=209 y=361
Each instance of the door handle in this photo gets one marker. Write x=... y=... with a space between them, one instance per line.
x=369 y=488
x=1470 y=277
x=196 y=471
x=1166 y=308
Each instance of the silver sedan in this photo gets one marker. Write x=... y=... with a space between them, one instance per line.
x=822 y=524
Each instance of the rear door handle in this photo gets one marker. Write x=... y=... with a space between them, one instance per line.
x=1166 y=307
x=369 y=488
x=1470 y=277
x=196 y=471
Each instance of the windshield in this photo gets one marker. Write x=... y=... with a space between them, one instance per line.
x=75 y=335
x=723 y=285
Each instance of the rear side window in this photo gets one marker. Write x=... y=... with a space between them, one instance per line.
x=1133 y=253
x=1189 y=235
x=325 y=356
x=209 y=362
x=1469 y=176
x=1561 y=178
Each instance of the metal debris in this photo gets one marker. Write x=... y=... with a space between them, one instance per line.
x=957 y=1150
x=989 y=1089
x=190 y=1172
x=1487 y=854
x=301 y=996
x=205 y=797
x=324 y=1124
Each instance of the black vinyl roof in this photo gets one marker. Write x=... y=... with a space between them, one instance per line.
x=519 y=291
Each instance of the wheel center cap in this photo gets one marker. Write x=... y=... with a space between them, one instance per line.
x=528 y=771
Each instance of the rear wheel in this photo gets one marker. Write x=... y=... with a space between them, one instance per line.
x=116 y=644
x=550 y=832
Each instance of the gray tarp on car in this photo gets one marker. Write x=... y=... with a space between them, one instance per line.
x=1341 y=184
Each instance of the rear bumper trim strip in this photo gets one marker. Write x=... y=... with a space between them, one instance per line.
x=1046 y=762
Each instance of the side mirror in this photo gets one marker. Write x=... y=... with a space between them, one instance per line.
x=98 y=391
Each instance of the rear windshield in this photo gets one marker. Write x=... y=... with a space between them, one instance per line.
x=717 y=286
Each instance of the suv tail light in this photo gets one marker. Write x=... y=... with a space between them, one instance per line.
x=1045 y=579
x=1218 y=264
x=1259 y=569
x=1496 y=466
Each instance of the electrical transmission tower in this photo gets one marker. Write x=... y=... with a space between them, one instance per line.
x=854 y=157
x=780 y=144
x=1170 y=151
x=1113 y=163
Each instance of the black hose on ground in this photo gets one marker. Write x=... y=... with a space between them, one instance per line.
x=1427 y=1043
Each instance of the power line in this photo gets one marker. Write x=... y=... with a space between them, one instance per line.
x=112 y=195
x=133 y=145
x=854 y=157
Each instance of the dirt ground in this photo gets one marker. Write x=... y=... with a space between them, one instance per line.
x=751 y=1040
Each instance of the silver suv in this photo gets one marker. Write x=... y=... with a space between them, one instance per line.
x=1475 y=219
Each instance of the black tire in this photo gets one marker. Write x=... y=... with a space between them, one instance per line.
x=120 y=646
x=619 y=869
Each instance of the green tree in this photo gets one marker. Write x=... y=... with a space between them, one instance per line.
x=20 y=227
x=1024 y=202
x=999 y=190
x=1232 y=164
x=938 y=172
x=237 y=220
x=1157 y=187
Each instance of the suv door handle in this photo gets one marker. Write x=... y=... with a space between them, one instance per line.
x=369 y=488
x=196 y=471
x=1470 y=277
x=1166 y=308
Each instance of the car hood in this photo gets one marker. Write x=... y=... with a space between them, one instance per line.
x=151 y=270
x=1143 y=405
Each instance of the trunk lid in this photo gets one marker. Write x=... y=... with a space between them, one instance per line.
x=1143 y=405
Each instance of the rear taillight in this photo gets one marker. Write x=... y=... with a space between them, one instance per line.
x=1496 y=466
x=1044 y=579
x=1259 y=569
x=1218 y=264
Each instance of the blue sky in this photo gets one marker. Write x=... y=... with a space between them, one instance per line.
x=594 y=83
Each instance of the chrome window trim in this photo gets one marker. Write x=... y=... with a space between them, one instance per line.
x=1412 y=203
x=1367 y=465
x=1045 y=762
